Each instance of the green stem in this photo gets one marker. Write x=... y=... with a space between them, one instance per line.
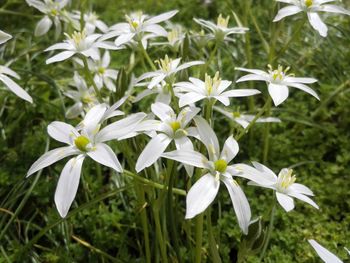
x=199 y=237
x=260 y=113
x=267 y=134
x=212 y=243
x=147 y=57
x=91 y=79
x=159 y=235
x=154 y=184
x=269 y=230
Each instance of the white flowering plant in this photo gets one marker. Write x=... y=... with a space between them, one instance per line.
x=175 y=150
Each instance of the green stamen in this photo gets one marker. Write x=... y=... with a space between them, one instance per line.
x=82 y=142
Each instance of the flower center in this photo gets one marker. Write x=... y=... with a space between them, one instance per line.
x=175 y=125
x=54 y=12
x=277 y=74
x=223 y=22
x=236 y=114
x=79 y=39
x=286 y=179
x=174 y=35
x=82 y=142
x=101 y=70
x=220 y=165
x=212 y=83
x=164 y=64
x=308 y=3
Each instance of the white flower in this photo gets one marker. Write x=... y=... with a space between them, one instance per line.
x=196 y=90
x=52 y=10
x=79 y=43
x=167 y=69
x=311 y=7
x=175 y=37
x=324 y=253
x=85 y=140
x=278 y=82
x=103 y=76
x=171 y=127
x=92 y=22
x=138 y=24
x=161 y=89
x=204 y=191
x=220 y=30
x=284 y=184
x=4 y=37
x=84 y=97
x=244 y=119
x=5 y=72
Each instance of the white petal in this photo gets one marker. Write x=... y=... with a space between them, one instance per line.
x=253 y=71
x=59 y=46
x=287 y=11
x=162 y=111
x=152 y=151
x=61 y=131
x=302 y=189
x=317 y=23
x=120 y=128
x=304 y=88
x=304 y=198
x=240 y=203
x=208 y=136
x=251 y=77
x=92 y=118
x=248 y=172
x=157 y=30
x=189 y=157
x=161 y=17
x=51 y=157
x=300 y=80
x=4 y=37
x=67 y=185
x=15 y=88
x=278 y=93
x=223 y=99
x=240 y=92
x=201 y=195
x=156 y=80
x=8 y=71
x=75 y=110
x=262 y=168
x=187 y=114
x=189 y=64
x=285 y=201
x=185 y=143
x=43 y=26
x=334 y=9
x=324 y=254
x=189 y=98
x=124 y=38
x=60 y=57
x=230 y=149
x=103 y=154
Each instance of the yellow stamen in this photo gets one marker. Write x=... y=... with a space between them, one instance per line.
x=212 y=83
x=223 y=22
x=164 y=64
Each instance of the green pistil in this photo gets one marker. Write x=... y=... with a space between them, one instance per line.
x=308 y=3
x=220 y=165
x=175 y=125
x=82 y=142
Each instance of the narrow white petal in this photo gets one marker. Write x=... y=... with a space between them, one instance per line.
x=285 y=201
x=189 y=64
x=184 y=143
x=67 y=185
x=324 y=254
x=162 y=111
x=61 y=131
x=304 y=88
x=241 y=92
x=60 y=57
x=302 y=189
x=15 y=88
x=252 y=77
x=4 y=37
x=300 y=80
x=240 y=203
x=43 y=26
x=262 y=168
x=189 y=157
x=248 y=172
x=230 y=149
x=120 y=128
x=51 y=157
x=92 y=118
x=124 y=38
x=59 y=46
x=189 y=98
x=253 y=71
x=103 y=154
x=156 y=80
x=317 y=23
x=157 y=30
x=161 y=17
x=8 y=71
x=304 y=198
x=201 y=195
x=152 y=151
x=208 y=136
x=334 y=9
x=287 y=11
x=278 y=93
